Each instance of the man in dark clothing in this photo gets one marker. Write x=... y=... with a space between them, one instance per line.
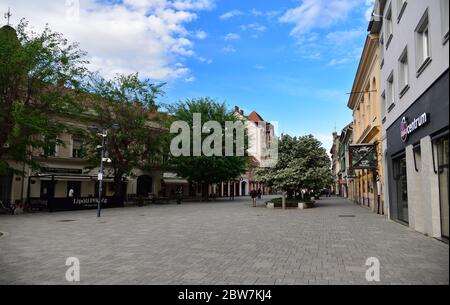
x=254 y=194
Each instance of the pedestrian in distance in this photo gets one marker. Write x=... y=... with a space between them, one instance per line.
x=259 y=193
x=254 y=194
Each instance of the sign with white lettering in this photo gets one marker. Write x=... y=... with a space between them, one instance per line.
x=363 y=156
x=407 y=128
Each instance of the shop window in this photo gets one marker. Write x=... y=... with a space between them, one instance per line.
x=443 y=152
x=74 y=189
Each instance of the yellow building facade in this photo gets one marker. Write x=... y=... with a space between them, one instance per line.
x=365 y=102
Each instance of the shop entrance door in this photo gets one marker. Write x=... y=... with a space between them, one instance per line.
x=401 y=188
x=443 y=159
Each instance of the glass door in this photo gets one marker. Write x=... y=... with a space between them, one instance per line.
x=401 y=188
x=443 y=163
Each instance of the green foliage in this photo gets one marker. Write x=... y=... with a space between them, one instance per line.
x=202 y=169
x=302 y=164
x=129 y=102
x=40 y=77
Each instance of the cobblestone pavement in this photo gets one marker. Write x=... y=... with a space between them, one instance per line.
x=218 y=243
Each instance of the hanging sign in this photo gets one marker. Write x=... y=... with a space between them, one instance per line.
x=363 y=156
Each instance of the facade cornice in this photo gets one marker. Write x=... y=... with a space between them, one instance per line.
x=368 y=57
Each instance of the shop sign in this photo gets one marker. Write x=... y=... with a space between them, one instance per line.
x=406 y=128
x=363 y=156
x=57 y=170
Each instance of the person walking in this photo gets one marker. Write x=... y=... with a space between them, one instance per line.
x=254 y=194
x=259 y=193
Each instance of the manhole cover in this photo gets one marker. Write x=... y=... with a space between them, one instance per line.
x=66 y=220
x=346 y=216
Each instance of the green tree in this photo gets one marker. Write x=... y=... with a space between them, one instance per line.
x=130 y=103
x=40 y=77
x=302 y=164
x=206 y=170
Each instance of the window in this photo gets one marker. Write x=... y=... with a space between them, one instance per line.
x=444 y=19
x=423 y=51
x=401 y=6
x=382 y=50
x=77 y=148
x=403 y=73
x=388 y=24
x=390 y=92
x=383 y=105
x=50 y=147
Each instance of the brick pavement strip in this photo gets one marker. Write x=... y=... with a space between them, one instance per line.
x=218 y=243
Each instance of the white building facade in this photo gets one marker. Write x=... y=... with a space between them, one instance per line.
x=415 y=112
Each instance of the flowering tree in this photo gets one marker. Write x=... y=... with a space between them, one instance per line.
x=303 y=164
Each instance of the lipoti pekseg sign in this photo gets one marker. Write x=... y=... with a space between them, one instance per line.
x=406 y=128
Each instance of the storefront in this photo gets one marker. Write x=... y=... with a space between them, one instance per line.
x=417 y=160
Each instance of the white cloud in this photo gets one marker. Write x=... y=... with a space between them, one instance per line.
x=254 y=26
x=317 y=14
x=340 y=61
x=201 y=35
x=205 y=60
x=267 y=14
x=260 y=67
x=231 y=14
x=189 y=79
x=145 y=36
x=313 y=22
x=232 y=36
x=343 y=37
x=229 y=49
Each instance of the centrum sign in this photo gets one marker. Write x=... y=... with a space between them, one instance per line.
x=407 y=128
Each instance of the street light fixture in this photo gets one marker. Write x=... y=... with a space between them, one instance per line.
x=103 y=135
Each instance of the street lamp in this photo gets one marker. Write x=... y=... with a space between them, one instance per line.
x=103 y=135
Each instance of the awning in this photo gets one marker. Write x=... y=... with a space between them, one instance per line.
x=175 y=181
x=71 y=178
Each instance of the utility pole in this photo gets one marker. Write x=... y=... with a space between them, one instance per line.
x=100 y=173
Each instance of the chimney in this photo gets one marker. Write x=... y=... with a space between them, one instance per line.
x=236 y=109
x=242 y=112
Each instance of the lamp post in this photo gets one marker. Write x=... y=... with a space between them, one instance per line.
x=103 y=135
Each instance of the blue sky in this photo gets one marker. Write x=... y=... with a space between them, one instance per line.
x=293 y=61
x=285 y=78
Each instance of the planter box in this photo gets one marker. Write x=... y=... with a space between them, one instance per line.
x=301 y=206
